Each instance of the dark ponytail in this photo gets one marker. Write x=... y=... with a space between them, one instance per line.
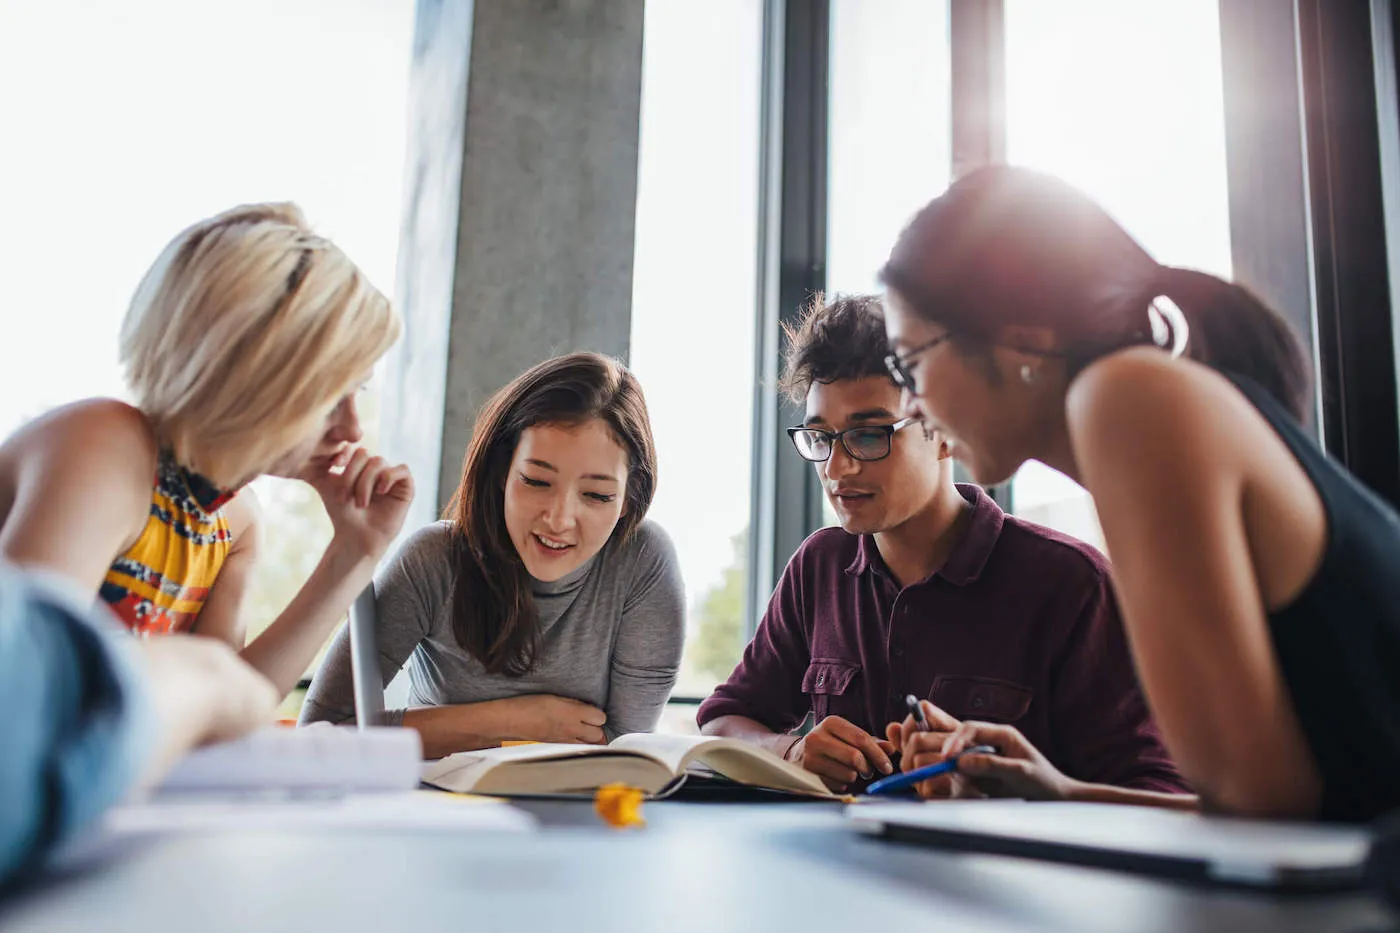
x=1232 y=330
x=1007 y=246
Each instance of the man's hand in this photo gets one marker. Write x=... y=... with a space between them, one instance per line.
x=839 y=751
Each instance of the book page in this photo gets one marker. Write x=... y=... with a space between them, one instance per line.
x=737 y=760
x=464 y=771
x=674 y=751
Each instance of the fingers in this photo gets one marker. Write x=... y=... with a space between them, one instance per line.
x=849 y=744
x=589 y=735
x=872 y=755
x=837 y=774
x=367 y=480
x=895 y=733
x=1007 y=740
x=938 y=720
x=592 y=715
x=924 y=747
x=395 y=481
x=994 y=767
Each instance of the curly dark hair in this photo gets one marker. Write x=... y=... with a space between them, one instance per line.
x=843 y=338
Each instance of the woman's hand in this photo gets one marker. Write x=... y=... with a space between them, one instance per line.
x=365 y=497
x=1017 y=770
x=202 y=692
x=543 y=717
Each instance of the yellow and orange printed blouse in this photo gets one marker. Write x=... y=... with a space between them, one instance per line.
x=161 y=583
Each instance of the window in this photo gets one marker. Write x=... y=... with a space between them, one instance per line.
x=133 y=120
x=693 y=301
x=886 y=158
x=1125 y=101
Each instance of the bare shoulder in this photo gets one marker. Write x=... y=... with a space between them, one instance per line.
x=94 y=436
x=1142 y=408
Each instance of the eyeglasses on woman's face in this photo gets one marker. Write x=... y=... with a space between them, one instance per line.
x=898 y=363
x=866 y=442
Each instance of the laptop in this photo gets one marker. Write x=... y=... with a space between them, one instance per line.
x=364 y=660
x=1170 y=843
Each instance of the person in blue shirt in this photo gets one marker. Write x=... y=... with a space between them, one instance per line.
x=92 y=714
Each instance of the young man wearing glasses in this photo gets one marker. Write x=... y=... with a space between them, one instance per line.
x=928 y=589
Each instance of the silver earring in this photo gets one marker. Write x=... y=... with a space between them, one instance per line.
x=1027 y=374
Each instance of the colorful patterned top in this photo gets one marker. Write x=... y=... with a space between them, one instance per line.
x=161 y=583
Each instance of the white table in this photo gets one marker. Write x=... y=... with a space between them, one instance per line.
x=701 y=867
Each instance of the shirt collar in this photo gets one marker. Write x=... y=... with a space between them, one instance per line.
x=970 y=552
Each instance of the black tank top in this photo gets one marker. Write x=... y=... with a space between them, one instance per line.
x=1338 y=643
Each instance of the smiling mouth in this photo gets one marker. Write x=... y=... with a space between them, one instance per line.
x=551 y=545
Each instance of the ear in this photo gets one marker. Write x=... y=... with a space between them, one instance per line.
x=1021 y=350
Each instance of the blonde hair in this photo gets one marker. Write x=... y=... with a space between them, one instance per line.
x=245 y=334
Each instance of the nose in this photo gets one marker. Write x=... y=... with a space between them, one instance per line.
x=840 y=463
x=344 y=425
x=559 y=512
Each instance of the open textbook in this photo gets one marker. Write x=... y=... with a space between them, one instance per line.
x=657 y=764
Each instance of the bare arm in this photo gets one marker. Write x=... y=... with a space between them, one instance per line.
x=222 y=616
x=366 y=504
x=82 y=482
x=1163 y=449
x=533 y=718
x=734 y=726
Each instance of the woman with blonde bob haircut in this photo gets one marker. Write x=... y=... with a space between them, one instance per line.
x=244 y=346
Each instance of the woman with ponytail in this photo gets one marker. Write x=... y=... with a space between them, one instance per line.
x=1254 y=573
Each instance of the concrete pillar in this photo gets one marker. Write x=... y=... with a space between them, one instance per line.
x=520 y=207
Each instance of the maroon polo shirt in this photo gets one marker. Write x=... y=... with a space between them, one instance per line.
x=1019 y=626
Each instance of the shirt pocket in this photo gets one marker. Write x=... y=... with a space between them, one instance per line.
x=981 y=698
x=828 y=682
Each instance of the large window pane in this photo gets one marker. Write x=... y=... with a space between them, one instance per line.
x=693 y=306
x=1124 y=100
x=889 y=148
x=125 y=122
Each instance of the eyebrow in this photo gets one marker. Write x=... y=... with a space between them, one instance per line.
x=871 y=414
x=546 y=465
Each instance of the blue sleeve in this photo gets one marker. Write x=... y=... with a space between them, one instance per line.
x=79 y=726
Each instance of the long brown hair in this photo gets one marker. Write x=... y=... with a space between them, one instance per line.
x=1011 y=246
x=493 y=613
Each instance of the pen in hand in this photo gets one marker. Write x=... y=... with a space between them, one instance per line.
x=909 y=778
x=916 y=710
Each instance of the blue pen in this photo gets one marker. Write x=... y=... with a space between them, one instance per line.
x=900 y=781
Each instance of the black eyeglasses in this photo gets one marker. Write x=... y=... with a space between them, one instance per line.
x=898 y=364
x=867 y=442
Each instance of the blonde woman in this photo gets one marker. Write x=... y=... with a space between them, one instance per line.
x=244 y=347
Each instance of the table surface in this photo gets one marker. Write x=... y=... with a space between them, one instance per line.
x=695 y=866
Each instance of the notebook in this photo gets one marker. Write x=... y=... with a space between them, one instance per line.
x=1252 y=853
x=657 y=764
x=320 y=759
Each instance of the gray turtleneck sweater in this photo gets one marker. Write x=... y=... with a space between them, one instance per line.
x=611 y=635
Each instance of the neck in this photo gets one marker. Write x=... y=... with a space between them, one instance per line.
x=1057 y=451
x=914 y=549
